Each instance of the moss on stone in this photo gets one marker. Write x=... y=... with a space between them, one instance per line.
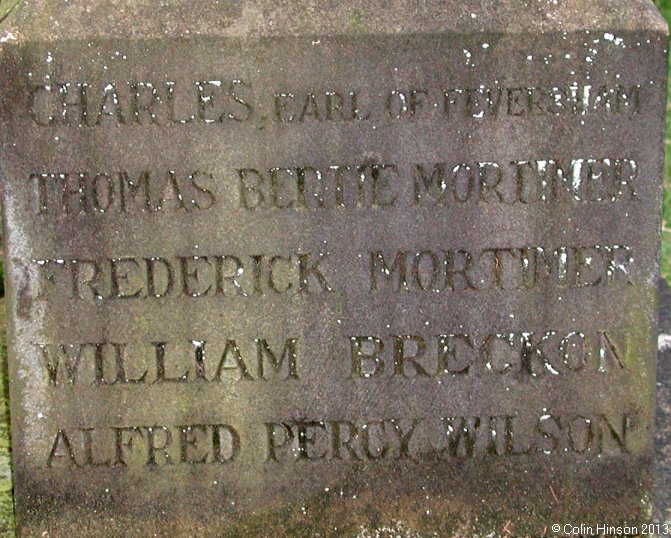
x=6 y=497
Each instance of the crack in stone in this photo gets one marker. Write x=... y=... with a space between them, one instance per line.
x=6 y=7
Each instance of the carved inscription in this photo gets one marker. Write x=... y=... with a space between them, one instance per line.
x=131 y=278
x=572 y=99
x=233 y=101
x=524 y=182
x=533 y=353
x=66 y=193
x=197 y=361
x=544 y=353
x=500 y=268
x=252 y=276
x=83 y=104
x=295 y=442
x=444 y=437
x=341 y=186
x=145 y=445
x=320 y=189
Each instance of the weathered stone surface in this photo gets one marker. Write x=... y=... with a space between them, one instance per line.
x=662 y=491
x=328 y=268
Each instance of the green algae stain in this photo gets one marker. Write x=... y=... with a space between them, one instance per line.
x=665 y=7
x=6 y=7
x=356 y=22
x=6 y=496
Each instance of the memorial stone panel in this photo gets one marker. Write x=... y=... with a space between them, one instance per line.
x=299 y=269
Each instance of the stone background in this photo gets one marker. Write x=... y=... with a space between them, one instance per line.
x=663 y=473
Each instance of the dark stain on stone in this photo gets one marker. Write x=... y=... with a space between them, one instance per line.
x=24 y=301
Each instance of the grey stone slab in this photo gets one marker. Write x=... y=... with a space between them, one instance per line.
x=327 y=269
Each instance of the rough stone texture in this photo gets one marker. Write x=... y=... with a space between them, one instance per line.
x=662 y=492
x=662 y=489
x=46 y=20
x=244 y=178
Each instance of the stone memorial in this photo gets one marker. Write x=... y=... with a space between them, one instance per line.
x=358 y=268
